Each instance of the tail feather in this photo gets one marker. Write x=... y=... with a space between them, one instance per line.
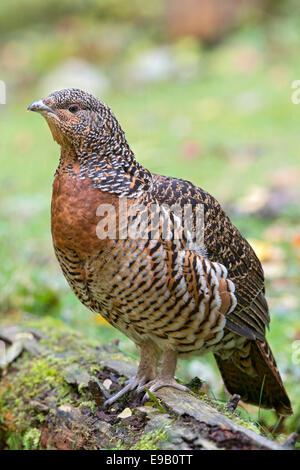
x=260 y=385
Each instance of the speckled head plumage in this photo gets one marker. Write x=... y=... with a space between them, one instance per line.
x=78 y=119
x=89 y=134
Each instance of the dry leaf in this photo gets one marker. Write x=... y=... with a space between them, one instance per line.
x=296 y=241
x=126 y=413
x=107 y=384
x=262 y=249
x=100 y=320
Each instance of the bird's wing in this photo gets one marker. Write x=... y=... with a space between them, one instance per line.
x=225 y=245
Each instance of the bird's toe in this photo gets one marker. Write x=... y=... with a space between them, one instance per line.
x=156 y=384
x=135 y=383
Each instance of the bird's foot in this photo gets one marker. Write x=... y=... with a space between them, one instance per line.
x=160 y=382
x=135 y=382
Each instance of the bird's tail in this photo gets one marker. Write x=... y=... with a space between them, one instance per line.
x=261 y=384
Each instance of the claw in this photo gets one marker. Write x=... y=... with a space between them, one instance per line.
x=134 y=383
x=147 y=372
x=158 y=383
x=141 y=388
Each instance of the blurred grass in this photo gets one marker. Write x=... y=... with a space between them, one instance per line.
x=228 y=130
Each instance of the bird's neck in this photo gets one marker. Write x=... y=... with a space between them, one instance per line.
x=111 y=168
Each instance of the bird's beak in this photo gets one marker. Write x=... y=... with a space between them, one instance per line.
x=40 y=107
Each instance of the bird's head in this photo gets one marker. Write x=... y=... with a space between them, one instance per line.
x=80 y=121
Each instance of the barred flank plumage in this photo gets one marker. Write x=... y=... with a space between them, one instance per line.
x=172 y=295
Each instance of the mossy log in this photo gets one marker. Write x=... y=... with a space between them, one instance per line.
x=54 y=382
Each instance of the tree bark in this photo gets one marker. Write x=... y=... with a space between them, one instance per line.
x=54 y=382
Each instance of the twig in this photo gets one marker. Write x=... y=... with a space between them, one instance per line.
x=290 y=442
x=233 y=403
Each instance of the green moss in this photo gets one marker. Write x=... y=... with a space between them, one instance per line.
x=39 y=373
x=246 y=420
x=34 y=377
x=149 y=441
x=90 y=404
x=31 y=439
x=240 y=416
x=15 y=441
x=152 y=439
x=42 y=375
x=93 y=370
x=120 y=357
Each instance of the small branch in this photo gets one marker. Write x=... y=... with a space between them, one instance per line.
x=290 y=442
x=233 y=403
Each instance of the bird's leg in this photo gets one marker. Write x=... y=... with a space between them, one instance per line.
x=165 y=378
x=146 y=372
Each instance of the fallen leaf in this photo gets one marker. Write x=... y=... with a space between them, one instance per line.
x=274 y=270
x=254 y=200
x=296 y=241
x=297 y=336
x=262 y=249
x=107 y=383
x=267 y=203
x=65 y=407
x=245 y=59
x=284 y=303
x=126 y=413
x=190 y=150
x=285 y=178
x=100 y=320
x=276 y=232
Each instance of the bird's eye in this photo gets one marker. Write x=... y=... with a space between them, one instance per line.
x=74 y=108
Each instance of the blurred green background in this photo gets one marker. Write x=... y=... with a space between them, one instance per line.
x=203 y=92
